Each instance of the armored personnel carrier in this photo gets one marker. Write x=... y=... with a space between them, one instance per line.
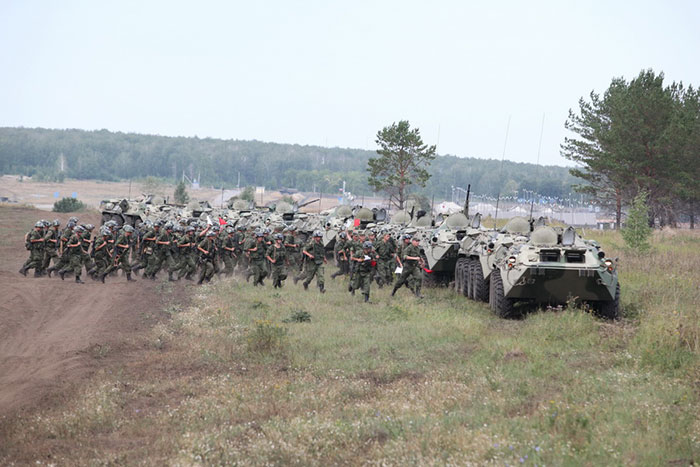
x=553 y=267
x=441 y=247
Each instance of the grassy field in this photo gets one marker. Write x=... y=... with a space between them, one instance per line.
x=237 y=376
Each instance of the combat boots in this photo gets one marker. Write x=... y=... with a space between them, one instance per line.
x=393 y=292
x=128 y=277
x=366 y=297
x=78 y=281
x=23 y=271
x=62 y=274
x=322 y=289
x=102 y=277
x=170 y=277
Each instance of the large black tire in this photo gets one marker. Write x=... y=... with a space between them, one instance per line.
x=466 y=271
x=611 y=309
x=459 y=271
x=502 y=306
x=480 y=286
x=468 y=282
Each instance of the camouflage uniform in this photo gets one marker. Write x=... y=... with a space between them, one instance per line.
x=412 y=274
x=278 y=253
x=121 y=260
x=35 y=245
x=206 y=258
x=257 y=259
x=386 y=263
x=51 y=240
x=314 y=266
x=74 y=253
x=363 y=277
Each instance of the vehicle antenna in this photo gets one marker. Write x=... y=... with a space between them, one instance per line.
x=498 y=198
x=537 y=169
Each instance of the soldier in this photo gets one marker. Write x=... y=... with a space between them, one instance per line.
x=138 y=253
x=365 y=264
x=292 y=246
x=51 y=240
x=150 y=249
x=35 y=244
x=385 y=264
x=86 y=238
x=121 y=260
x=206 y=257
x=256 y=251
x=63 y=256
x=237 y=247
x=412 y=274
x=315 y=255
x=277 y=256
x=102 y=255
x=74 y=254
x=188 y=254
x=228 y=252
x=340 y=255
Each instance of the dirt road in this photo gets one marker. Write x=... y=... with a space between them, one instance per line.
x=54 y=333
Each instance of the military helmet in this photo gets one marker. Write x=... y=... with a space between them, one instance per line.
x=318 y=233
x=407 y=236
x=211 y=233
x=39 y=224
x=189 y=229
x=279 y=236
x=367 y=245
x=230 y=230
x=56 y=223
x=259 y=234
x=342 y=235
x=89 y=227
x=73 y=219
x=70 y=224
x=79 y=228
x=104 y=232
x=128 y=228
x=267 y=231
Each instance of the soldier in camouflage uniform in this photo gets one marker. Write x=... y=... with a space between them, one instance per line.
x=51 y=240
x=315 y=259
x=188 y=254
x=206 y=257
x=277 y=256
x=366 y=261
x=121 y=261
x=35 y=244
x=293 y=250
x=63 y=257
x=412 y=274
x=102 y=254
x=257 y=252
x=74 y=253
x=340 y=255
x=228 y=250
x=385 y=264
x=150 y=249
x=86 y=237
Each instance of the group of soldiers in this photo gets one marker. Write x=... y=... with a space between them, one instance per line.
x=184 y=249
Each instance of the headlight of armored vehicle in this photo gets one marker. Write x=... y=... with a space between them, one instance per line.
x=608 y=264
x=511 y=262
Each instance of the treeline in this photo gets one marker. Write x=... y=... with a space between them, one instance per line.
x=104 y=155
x=640 y=137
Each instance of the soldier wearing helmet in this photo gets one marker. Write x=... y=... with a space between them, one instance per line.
x=293 y=249
x=340 y=254
x=102 y=253
x=206 y=257
x=121 y=259
x=74 y=252
x=34 y=242
x=277 y=256
x=315 y=258
x=412 y=273
x=366 y=261
x=228 y=250
x=187 y=245
x=386 y=250
x=51 y=239
x=256 y=253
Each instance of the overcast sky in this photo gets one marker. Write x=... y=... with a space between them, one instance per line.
x=334 y=73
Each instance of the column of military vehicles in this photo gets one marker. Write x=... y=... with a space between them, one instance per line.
x=524 y=264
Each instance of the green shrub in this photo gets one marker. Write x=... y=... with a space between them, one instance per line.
x=266 y=337
x=637 y=231
x=68 y=205
x=298 y=316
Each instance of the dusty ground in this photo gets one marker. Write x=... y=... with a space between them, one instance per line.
x=53 y=333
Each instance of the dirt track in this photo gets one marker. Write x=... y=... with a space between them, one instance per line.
x=54 y=333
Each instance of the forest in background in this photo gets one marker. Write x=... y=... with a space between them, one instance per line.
x=104 y=155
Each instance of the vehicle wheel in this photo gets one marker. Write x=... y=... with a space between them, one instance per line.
x=611 y=309
x=466 y=277
x=459 y=272
x=502 y=306
x=480 y=285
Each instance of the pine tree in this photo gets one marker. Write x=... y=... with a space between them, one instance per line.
x=180 y=195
